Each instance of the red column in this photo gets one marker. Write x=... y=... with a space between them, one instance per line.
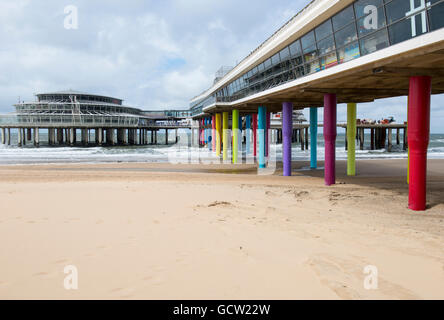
x=255 y=134
x=330 y=133
x=418 y=139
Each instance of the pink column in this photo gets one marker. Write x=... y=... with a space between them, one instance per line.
x=330 y=138
x=418 y=140
x=255 y=134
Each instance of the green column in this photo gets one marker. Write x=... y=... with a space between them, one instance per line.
x=235 y=128
x=351 y=134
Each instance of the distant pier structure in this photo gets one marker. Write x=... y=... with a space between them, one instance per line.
x=73 y=118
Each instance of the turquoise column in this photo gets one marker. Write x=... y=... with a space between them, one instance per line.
x=248 y=134
x=314 y=137
x=262 y=124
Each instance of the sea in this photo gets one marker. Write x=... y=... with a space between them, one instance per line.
x=181 y=152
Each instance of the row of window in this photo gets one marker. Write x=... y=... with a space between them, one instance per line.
x=69 y=108
x=66 y=98
x=360 y=29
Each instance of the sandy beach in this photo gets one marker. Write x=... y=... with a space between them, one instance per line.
x=159 y=231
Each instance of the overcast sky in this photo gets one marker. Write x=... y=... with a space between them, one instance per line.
x=152 y=54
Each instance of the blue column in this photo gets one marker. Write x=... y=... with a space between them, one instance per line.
x=248 y=134
x=314 y=137
x=262 y=124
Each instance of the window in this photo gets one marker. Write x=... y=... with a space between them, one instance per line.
x=326 y=45
x=396 y=10
x=367 y=24
x=312 y=67
x=324 y=30
x=310 y=53
x=275 y=59
x=267 y=63
x=346 y=35
x=375 y=41
x=295 y=49
x=343 y=18
x=436 y=14
x=360 y=6
x=308 y=40
x=284 y=54
x=403 y=30
x=349 y=52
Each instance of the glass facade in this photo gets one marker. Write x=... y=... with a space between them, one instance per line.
x=362 y=28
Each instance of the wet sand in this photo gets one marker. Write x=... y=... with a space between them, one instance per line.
x=159 y=231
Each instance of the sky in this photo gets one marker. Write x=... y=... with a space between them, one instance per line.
x=152 y=54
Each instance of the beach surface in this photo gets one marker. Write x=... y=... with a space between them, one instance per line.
x=161 y=231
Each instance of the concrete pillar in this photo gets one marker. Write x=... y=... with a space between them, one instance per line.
x=29 y=134
x=72 y=136
x=3 y=136
x=24 y=136
x=314 y=137
x=372 y=139
x=36 y=137
x=351 y=134
x=330 y=133
x=262 y=125
x=287 y=127
x=9 y=136
x=60 y=136
x=166 y=136
x=418 y=139
x=225 y=137
x=84 y=134
x=248 y=135
x=390 y=145
x=361 y=138
x=19 y=137
x=302 y=139
x=235 y=128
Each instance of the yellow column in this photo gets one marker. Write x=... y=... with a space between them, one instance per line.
x=351 y=134
x=225 y=135
x=218 y=133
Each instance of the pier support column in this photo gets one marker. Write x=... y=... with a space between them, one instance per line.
x=254 y=134
x=24 y=136
x=84 y=137
x=267 y=134
x=351 y=134
x=372 y=139
x=248 y=135
x=218 y=134
x=60 y=136
x=235 y=128
x=287 y=127
x=29 y=134
x=9 y=136
x=19 y=137
x=313 y=137
x=71 y=136
x=262 y=124
x=213 y=133
x=36 y=137
x=330 y=117
x=390 y=140
x=225 y=137
x=302 y=139
x=418 y=139
x=3 y=136
x=166 y=136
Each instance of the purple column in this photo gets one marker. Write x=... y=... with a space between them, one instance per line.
x=287 y=130
x=330 y=138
